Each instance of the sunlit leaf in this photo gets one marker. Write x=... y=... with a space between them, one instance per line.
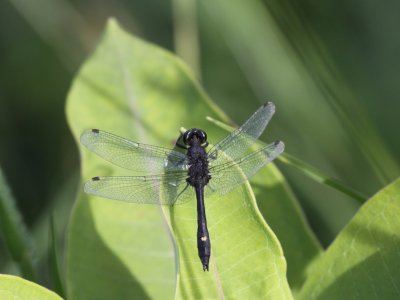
x=16 y=288
x=125 y=251
x=363 y=262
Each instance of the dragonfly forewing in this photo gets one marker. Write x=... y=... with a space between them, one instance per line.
x=142 y=158
x=239 y=141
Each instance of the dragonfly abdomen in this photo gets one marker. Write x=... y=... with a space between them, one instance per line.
x=203 y=237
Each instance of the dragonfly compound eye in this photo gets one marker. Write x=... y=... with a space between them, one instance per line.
x=203 y=135
x=185 y=137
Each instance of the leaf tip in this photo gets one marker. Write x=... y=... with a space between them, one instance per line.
x=112 y=23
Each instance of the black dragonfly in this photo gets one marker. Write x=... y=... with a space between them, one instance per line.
x=174 y=174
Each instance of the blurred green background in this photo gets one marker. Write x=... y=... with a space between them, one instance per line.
x=331 y=67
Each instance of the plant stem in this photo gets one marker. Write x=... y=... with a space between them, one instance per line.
x=186 y=33
x=320 y=177
x=306 y=169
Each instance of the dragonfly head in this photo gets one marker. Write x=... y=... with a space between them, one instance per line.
x=195 y=136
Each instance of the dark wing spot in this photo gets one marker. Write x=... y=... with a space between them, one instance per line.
x=95 y=130
x=97 y=178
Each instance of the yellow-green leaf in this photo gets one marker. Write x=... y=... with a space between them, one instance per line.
x=16 y=288
x=127 y=251
x=364 y=260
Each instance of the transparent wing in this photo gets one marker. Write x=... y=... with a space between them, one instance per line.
x=227 y=176
x=167 y=189
x=235 y=145
x=131 y=155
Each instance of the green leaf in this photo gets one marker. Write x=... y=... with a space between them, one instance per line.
x=124 y=251
x=13 y=230
x=363 y=262
x=16 y=288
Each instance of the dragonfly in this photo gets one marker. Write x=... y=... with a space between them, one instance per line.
x=170 y=177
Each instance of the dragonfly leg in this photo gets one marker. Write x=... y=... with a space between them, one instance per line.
x=182 y=146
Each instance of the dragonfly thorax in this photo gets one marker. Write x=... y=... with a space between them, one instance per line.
x=198 y=166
